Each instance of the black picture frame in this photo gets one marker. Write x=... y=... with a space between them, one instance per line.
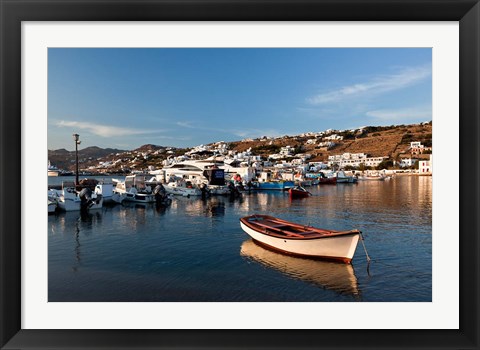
x=13 y=12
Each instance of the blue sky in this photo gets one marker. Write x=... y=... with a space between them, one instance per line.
x=124 y=98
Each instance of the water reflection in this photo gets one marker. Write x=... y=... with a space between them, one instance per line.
x=78 y=224
x=214 y=207
x=329 y=275
x=185 y=251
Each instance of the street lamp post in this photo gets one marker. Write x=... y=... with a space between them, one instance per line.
x=77 y=142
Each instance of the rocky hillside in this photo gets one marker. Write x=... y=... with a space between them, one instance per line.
x=64 y=159
x=388 y=141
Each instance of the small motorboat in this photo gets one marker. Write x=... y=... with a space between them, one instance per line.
x=69 y=199
x=301 y=240
x=182 y=188
x=298 y=192
x=132 y=189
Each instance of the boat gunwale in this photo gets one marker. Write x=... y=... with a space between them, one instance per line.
x=299 y=236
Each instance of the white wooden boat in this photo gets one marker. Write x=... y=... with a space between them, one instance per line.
x=301 y=240
x=326 y=274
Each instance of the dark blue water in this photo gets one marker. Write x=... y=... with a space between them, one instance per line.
x=195 y=250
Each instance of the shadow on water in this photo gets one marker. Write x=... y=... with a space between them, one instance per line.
x=333 y=276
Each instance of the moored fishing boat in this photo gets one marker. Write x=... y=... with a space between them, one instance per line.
x=297 y=239
x=326 y=180
x=298 y=192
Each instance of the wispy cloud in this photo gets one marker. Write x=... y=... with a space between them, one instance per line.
x=193 y=125
x=421 y=112
x=377 y=85
x=104 y=130
x=243 y=133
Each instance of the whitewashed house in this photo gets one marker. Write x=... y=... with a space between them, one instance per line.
x=425 y=166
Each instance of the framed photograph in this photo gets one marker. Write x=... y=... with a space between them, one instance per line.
x=265 y=83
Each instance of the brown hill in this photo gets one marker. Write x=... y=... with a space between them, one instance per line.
x=149 y=147
x=388 y=141
x=64 y=159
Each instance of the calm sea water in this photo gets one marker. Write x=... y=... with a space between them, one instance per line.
x=195 y=250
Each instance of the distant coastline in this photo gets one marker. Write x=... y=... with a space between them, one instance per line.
x=390 y=142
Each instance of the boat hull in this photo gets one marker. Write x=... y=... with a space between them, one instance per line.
x=52 y=206
x=327 y=181
x=71 y=204
x=338 y=247
x=371 y=178
x=68 y=200
x=182 y=191
x=293 y=193
x=346 y=180
x=275 y=185
x=137 y=197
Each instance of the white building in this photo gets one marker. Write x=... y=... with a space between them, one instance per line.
x=425 y=166
x=287 y=151
x=354 y=160
x=416 y=147
x=407 y=162
x=333 y=137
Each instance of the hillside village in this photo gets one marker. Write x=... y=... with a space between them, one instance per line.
x=370 y=147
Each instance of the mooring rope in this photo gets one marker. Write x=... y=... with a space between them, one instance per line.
x=366 y=253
